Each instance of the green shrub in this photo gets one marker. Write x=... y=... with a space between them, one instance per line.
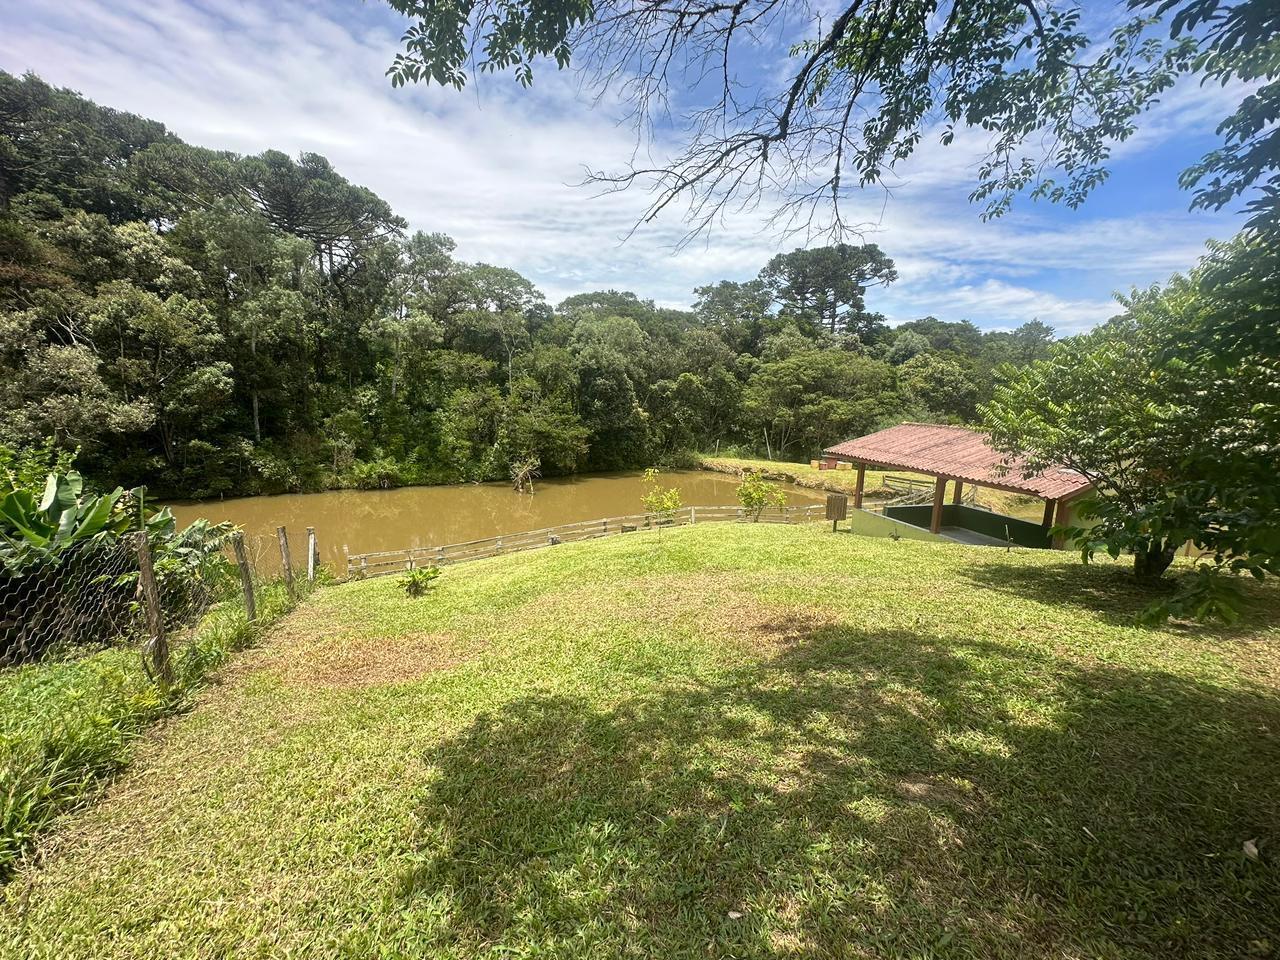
x=755 y=494
x=381 y=474
x=417 y=582
x=664 y=501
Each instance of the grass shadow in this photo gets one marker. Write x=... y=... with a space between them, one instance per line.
x=1111 y=593
x=858 y=794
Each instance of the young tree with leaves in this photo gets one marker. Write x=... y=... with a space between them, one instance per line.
x=756 y=494
x=1172 y=410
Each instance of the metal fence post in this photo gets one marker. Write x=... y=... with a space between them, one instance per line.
x=158 y=647
x=285 y=561
x=311 y=554
x=246 y=579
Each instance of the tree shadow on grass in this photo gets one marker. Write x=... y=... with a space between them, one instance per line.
x=1111 y=593
x=859 y=795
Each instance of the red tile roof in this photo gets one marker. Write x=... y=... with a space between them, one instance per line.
x=957 y=453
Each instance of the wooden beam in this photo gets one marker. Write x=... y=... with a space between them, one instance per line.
x=959 y=492
x=857 y=489
x=1048 y=513
x=1062 y=519
x=939 y=492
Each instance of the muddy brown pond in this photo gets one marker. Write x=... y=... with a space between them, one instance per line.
x=363 y=521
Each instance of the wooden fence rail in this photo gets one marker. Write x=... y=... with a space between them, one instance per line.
x=384 y=562
x=911 y=490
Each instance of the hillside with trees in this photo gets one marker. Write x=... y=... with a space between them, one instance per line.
x=213 y=324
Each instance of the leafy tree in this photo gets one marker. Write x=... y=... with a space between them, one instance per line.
x=610 y=409
x=252 y=274
x=807 y=401
x=469 y=424
x=695 y=410
x=940 y=385
x=826 y=286
x=756 y=494
x=905 y=345
x=1170 y=409
x=56 y=142
x=164 y=355
x=785 y=343
x=607 y=303
x=736 y=312
x=493 y=313
x=960 y=338
x=541 y=428
x=1030 y=342
x=657 y=499
x=1092 y=407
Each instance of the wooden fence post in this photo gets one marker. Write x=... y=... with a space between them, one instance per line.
x=311 y=554
x=159 y=645
x=246 y=579
x=286 y=561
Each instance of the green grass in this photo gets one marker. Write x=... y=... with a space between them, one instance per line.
x=68 y=723
x=726 y=741
x=844 y=481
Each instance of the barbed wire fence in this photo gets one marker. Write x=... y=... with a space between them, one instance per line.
x=126 y=592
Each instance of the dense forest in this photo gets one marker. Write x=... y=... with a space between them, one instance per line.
x=211 y=324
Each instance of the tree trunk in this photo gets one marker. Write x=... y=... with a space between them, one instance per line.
x=1151 y=562
x=253 y=351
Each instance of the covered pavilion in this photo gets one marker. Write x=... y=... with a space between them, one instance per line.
x=960 y=455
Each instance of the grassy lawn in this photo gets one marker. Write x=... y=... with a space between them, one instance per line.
x=724 y=741
x=843 y=481
x=69 y=722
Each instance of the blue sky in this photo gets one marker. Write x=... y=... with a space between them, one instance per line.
x=498 y=168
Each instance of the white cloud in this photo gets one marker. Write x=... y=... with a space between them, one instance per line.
x=1004 y=306
x=496 y=167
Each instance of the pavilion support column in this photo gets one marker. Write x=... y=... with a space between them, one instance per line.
x=959 y=492
x=857 y=487
x=939 y=493
x=1062 y=518
x=1048 y=513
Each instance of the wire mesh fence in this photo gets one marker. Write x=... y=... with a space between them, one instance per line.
x=82 y=596
x=140 y=592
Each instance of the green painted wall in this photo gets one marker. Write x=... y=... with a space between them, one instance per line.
x=1022 y=532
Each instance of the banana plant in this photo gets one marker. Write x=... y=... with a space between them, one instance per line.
x=64 y=517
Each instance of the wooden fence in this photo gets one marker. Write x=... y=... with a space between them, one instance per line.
x=911 y=490
x=362 y=565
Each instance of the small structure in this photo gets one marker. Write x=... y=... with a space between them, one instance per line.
x=959 y=455
x=837 y=509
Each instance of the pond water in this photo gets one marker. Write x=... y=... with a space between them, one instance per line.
x=364 y=521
